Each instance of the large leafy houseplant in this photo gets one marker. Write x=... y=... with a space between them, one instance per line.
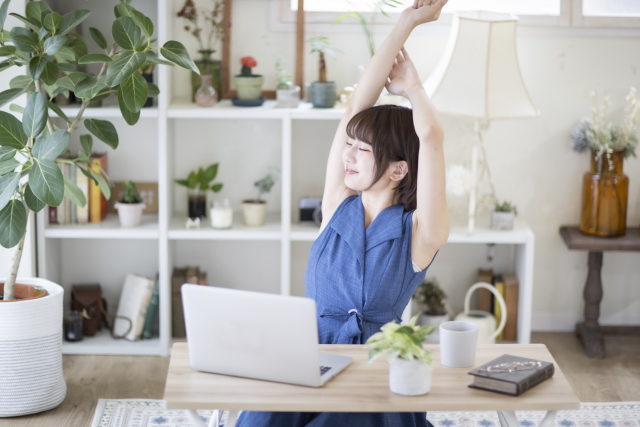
x=30 y=178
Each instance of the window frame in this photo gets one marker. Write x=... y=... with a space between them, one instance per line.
x=580 y=20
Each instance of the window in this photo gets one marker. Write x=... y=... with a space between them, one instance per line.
x=606 y=13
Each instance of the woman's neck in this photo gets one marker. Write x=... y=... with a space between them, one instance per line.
x=375 y=202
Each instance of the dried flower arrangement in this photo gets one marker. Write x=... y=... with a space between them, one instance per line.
x=213 y=25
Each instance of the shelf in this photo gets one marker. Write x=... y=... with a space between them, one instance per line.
x=520 y=234
x=271 y=230
x=183 y=108
x=103 y=343
x=109 y=228
x=105 y=112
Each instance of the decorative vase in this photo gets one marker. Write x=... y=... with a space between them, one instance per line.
x=604 y=197
x=206 y=65
x=197 y=203
x=149 y=79
x=322 y=95
x=409 y=377
x=130 y=214
x=206 y=95
x=31 y=351
x=288 y=98
x=502 y=220
x=430 y=320
x=248 y=87
x=221 y=214
x=254 y=212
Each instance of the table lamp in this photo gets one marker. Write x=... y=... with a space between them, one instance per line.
x=479 y=77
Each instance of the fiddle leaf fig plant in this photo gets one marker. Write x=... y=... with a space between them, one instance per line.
x=50 y=52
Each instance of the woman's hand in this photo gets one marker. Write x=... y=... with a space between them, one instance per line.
x=403 y=75
x=423 y=11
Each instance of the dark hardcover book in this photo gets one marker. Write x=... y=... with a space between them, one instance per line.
x=511 y=383
x=179 y=276
x=152 y=312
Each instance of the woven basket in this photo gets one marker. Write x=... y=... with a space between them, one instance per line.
x=31 y=375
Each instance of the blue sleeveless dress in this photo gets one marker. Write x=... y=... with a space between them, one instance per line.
x=360 y=279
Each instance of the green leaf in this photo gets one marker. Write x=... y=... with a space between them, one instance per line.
x=124 y=10
x=65 y=54
x=13 y=223
x=24 y=39
x=192 y=180
x=71 y=80
x=216 y=188
x=6 y=64
x=182 y=182
x=123 y=66
x=152 y=58
x=43 y=15
x=104 y=93
x=34 y=11
x=42 y=33
x=36 y=66
x=74 y=193
x=72 y=19
x=8 y=165
x=211 y=172
x=27 y=23
x=152 y=90
x=22 y=82
x=125 y=33
x=129 y=116
x=52 y=21
x=7 y=50
x=35 y=115
x=16 y=108
x=87 y=143
x=9 y=95
x=8 y=185
x=79 y=48
x=143 y=22
x=51 y=147
x=50 y=73
x=98 y=37
x=32 y=201
x=66 y=66
x=134 y=90
x=94 y=58
x=53 y=44
x=3 y=13
x=58 y=111
x=47 y=182
x=175 y=52
x=104 y=187
x=89 y=88
x=11 y=133
x=7 y=153
x=104 y=131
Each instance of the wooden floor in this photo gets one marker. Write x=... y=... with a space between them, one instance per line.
x=615 y=378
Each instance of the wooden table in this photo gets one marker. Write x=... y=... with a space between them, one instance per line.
x=364 y=387
x=589 y=331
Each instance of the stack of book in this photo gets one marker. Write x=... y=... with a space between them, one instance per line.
x=512 y=375
x=139 y=302
x=180 y=277
x=507 y=286
x=96 y=208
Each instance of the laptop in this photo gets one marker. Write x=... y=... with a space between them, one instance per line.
x=256 y=335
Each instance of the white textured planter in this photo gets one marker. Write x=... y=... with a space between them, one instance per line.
x=429 y=320
x=254 y=213
x=130 y=214
x=409 y=377
x=288 y=98
x=502 y=220
x=31 y=378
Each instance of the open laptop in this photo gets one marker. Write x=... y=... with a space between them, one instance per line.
x=256 y=335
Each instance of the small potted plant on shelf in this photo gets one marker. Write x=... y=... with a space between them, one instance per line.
x=254 y=210
x=430 y=298
x=146 y=71
x=33 y=145
x=410 y=364
x=130 y=206
x=287 y=94
x=198 y=183
x=248 y=85
x=502 y=216
x=322 y=93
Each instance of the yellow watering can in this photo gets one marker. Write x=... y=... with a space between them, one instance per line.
x=486 y=322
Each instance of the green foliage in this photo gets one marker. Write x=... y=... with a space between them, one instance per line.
x=401 y=341
x=264 y=185
x=284 y=79
x=201 y=179
x=321 y=44
x=506 y=206
x=130 y=194
x=431 y=297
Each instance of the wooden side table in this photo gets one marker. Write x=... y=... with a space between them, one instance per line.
x=589 y=331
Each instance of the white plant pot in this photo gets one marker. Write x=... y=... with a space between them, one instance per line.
x=429 y=320
x=31 y=377
x=130 y=214
x=288 y=98
x=502 y=220
x=409 y=377
x=254 y=213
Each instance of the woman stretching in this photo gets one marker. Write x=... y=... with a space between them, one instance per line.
x=374 y=248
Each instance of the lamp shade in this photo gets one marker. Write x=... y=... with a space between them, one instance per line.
x=479 y=75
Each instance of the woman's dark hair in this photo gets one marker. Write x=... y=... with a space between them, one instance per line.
x=390 y=132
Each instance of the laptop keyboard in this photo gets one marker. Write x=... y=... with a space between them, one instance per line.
x=324 y=369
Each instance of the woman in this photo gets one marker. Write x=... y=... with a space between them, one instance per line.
x=374 y=248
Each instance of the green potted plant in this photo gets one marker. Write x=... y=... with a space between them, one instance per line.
x=130 y=206
x=502 y=216
x=198 y=183
x=430 y=298
x=322 y=93
x=248 y=85
x=410 y=364
x=30 y=176
x=146 y=71
x=254 y=210
x=287 y=94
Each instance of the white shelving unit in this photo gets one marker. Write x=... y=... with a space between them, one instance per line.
x=168 y=229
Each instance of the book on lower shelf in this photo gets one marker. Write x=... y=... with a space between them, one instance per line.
x=98 y=204
x=181 y=276
x=512 y=375
x=135 y=299
x=507 y=286
x=152 y=312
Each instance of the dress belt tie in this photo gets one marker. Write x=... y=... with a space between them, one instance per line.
x=351 y=330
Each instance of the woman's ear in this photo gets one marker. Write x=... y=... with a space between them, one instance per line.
x=398 y=170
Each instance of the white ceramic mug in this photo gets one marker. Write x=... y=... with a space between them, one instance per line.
x=458 y=342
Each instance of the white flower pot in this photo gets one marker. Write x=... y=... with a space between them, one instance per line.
x=254 y=213
x=130 y=214
x=31 y=377
x=288 y=98
x=502 y=220
x=429 y=320
x=409 y=377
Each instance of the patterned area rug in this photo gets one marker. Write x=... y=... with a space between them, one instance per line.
x=152 y=413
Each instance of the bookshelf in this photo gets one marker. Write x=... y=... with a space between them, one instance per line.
x=175 y=136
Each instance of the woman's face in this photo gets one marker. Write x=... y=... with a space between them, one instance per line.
x=359 y=164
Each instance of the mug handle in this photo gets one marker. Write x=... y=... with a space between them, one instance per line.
x=503 y=306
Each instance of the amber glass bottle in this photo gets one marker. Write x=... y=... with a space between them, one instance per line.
x=604 y=197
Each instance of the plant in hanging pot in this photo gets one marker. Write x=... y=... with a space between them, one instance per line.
x=287 y=94
x=248 y=85
x=30 y=178
x=130 y=206
x=322 y=93
x=503 y=215
x=254 y=210
x=605 y=188
x=410 y=363
x=198 y=183
x=430 y=298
